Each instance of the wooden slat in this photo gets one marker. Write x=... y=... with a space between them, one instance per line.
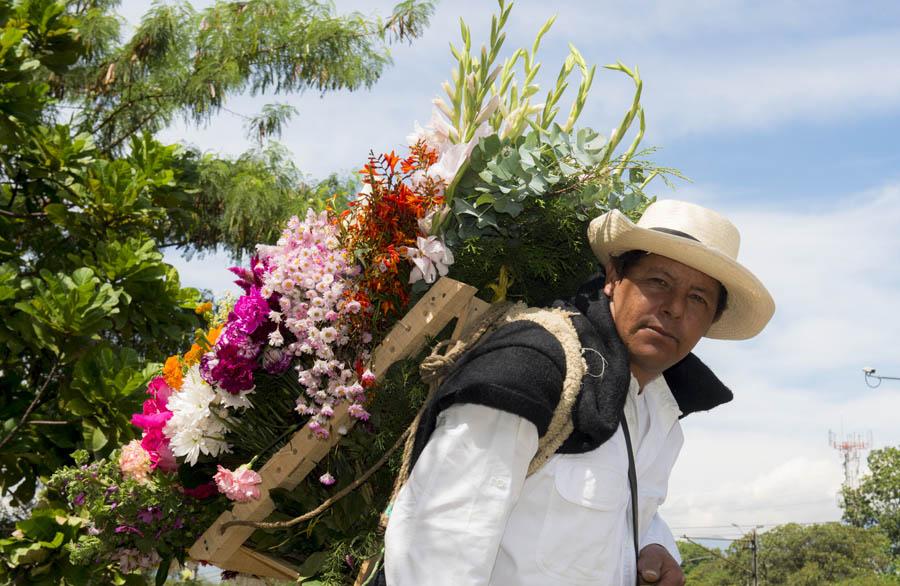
x=445 y=300
x=302 y=452
x=247 y=561
x=472 y=311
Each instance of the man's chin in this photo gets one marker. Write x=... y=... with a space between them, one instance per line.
x=652 y=359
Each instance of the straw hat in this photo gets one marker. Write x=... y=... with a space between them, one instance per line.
x=701 y=239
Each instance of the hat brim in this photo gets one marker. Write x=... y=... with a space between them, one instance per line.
x=750 y=306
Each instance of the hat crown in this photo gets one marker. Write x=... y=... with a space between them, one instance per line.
x=690 y=220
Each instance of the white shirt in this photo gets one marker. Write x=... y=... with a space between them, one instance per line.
x=468 y=516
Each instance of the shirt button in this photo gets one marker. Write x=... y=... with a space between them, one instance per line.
x=499 y=483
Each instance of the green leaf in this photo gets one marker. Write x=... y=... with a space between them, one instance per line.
x=538 y=184
x=485 y=199
x=567 y=169
x=312 y=565
x=630 y=202
x=162 y=572
x=490 y=146
x=57 y=213
x=94 y=438
x=79 y=406
x=55 y=543
x=506 y=206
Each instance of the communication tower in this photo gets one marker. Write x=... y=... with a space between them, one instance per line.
x=850 y=448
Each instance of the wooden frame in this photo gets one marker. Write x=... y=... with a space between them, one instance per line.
x=446 y=300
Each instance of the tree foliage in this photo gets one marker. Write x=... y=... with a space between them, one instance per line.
x=88 y=196
x=876 y=503
x=796 y=555
x=181 y=62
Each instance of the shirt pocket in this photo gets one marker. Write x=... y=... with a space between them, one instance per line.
x=581 y=537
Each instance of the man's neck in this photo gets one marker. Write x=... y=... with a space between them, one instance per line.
x=642 y=377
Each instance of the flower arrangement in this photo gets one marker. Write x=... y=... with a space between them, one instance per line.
x=131 y=517
x=492 y=191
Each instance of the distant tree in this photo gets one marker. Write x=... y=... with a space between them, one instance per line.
x=795 y=555
x=181 y=62
x=703 y=565
x=876 y=503
x=88 y=196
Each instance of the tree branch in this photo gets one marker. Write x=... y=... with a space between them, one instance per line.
x=124 y=105
x=31 y=407
x=327 y=504
x=9 y=214
x=114 y=144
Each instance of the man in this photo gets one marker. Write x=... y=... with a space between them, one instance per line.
x=471 y=515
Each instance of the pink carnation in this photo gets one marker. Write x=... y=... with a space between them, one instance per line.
x=241 y=486
x=134 y=461
x=327 y=479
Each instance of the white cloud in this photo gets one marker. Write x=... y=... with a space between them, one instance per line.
x=701 y=91
x=727 y=79
x=765 y=457
x=831 y=273
x=729 y=21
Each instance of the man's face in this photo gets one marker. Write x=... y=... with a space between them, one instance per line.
x=661 y=309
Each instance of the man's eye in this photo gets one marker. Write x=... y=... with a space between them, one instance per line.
x=700 y=299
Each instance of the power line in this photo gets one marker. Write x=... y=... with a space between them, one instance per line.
x=716 y=553
x=753 y=573
x=682 y=527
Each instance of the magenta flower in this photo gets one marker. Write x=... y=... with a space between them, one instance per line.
x=149 y=515
x=250 y=311
x=233 y=370
x=201 y=491
x=152 y=420
x=247 y=278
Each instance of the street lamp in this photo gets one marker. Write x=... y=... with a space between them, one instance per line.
x=874 y=380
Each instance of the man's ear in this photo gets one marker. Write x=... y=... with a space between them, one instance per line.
x=612 y=279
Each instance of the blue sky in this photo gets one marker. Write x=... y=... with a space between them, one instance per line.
x=786 y=116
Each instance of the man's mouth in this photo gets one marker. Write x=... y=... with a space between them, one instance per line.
x=662 y=332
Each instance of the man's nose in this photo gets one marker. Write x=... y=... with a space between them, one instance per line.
x=673 y=305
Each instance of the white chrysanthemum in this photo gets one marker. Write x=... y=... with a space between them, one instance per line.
x=190 y=406
x=193 y=429
x=235 y=400
x=186 y=443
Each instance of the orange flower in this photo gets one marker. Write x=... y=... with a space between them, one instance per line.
x=384 y=222
x=391 y=160
x=193 y=355
x=172 y=372
x=203 y=308
x=213 y=335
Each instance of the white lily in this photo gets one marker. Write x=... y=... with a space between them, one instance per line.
x=430 y=258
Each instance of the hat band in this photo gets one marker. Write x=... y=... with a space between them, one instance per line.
x=675 y=233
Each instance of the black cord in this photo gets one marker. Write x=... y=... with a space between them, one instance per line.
x=632 y=485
